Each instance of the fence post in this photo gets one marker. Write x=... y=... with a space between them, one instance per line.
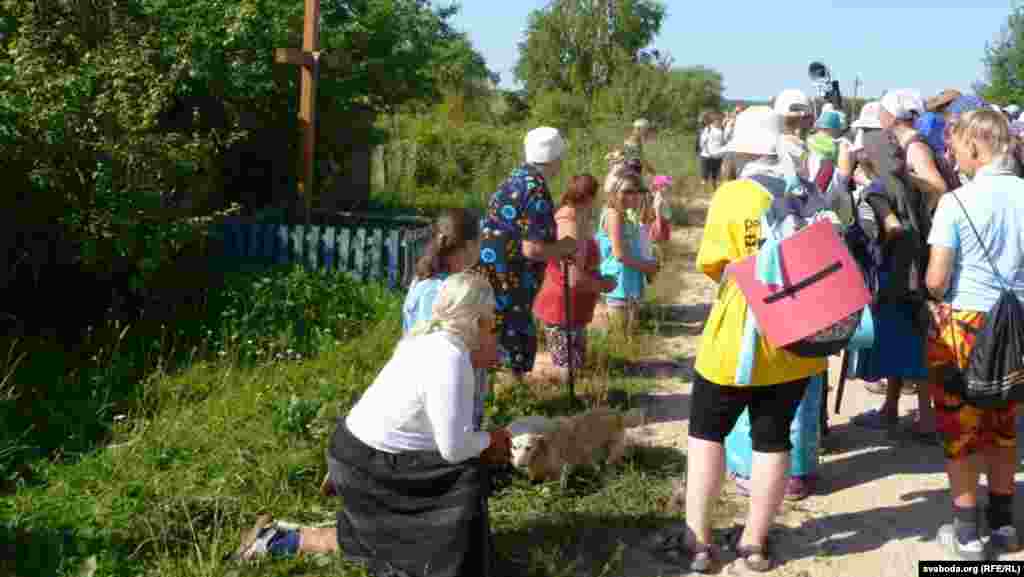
x=329 y=248
x=283 y=249
x=377 y=254
x=313 y=247
x=359 y=252
x=393 y=262
x=298 y=240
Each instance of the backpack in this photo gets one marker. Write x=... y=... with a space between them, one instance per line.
x=994 y=375
x=789 y=214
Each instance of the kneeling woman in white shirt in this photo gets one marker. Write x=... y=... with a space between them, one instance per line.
x=406 y=461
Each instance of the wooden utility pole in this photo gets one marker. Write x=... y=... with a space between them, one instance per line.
x=308 y=60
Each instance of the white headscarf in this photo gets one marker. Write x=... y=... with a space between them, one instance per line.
x=463 y=300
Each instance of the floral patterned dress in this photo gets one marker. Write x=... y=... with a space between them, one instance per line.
x=520 y=210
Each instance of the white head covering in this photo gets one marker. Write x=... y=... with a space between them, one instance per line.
x=869 y=116
x=463 y=300
x=903 y=103
x=641 y=123
x=756 y=131
x=792 y=102
x=543 y=145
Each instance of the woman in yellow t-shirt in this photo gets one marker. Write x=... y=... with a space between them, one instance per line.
x=731 y=233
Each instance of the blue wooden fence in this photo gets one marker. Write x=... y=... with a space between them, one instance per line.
x=384 y=251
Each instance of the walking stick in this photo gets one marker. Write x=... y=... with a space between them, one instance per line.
x=842 y=380
x=568 y=332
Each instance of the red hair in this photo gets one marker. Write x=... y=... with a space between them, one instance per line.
x=582 y=188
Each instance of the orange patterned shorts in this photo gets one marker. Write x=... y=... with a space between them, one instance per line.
x=965 y=429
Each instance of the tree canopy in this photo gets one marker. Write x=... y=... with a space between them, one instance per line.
x=578 y=45
x=1004 y=62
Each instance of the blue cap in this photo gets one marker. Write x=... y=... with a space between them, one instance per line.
x=932 y=126
x=965 y=104
x=829 y=119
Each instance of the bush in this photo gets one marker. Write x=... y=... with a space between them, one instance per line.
x=62 y=402
x=290 y=312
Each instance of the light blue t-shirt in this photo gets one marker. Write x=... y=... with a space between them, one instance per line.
x=994 y=199
x=419 y=301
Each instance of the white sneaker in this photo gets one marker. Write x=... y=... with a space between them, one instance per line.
x=972 y=550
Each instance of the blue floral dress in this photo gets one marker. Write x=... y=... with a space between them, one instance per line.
x=520 y=210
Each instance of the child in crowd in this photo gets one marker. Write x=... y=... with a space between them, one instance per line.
x=620 y=250
x=453 y=247
x=574 y=218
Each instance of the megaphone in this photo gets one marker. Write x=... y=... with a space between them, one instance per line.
x=818 y=73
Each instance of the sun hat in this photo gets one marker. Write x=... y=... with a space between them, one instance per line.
x=965 y=104
x=869 y=116
x=543 y=145
x=830 y=120
x=641 y=123
x=757 y=131
x=941 y=100
x=792 y=102
x=903 y=104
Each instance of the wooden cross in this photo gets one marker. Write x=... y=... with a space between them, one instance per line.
x=308 y=59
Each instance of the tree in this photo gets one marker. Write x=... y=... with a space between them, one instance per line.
x=1004 y=62
x=654 y=89
x=578 y=45
x=110 y=108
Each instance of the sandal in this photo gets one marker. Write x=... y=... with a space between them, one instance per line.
x=873 y=419
x=672 y=549
x=756 y=559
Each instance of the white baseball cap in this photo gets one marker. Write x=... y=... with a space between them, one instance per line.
x=869 y=116
x=757 y=131
x=903 y=103
x=543 y=145
x=792 y=102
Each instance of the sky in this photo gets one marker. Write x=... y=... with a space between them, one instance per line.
x=761 y=48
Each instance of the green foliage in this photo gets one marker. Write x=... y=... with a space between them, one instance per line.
x=290 y=312
x=294 y=416
x=1004 y=61
x=654 y=90
x=577 y=46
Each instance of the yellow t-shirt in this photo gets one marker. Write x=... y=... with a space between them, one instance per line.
x=731 y=233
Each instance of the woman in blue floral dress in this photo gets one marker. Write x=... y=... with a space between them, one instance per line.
x=517 y=237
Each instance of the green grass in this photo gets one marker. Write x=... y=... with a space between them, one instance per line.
x=168 y=489
x=153 y=447
x=471 y=185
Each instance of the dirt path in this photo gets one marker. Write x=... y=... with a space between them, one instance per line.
x=878 y=503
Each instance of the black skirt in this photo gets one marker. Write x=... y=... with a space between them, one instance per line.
x=411 y=514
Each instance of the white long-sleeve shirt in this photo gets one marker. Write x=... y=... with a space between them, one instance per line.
x=422 y=400
x=712 y=142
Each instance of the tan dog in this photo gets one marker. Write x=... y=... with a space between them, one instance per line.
x=576 y=441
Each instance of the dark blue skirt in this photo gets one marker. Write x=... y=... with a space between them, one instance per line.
x=899 y=348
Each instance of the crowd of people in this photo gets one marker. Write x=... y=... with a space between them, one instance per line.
x=412 y=460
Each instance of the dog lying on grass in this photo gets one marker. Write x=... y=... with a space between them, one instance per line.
x=574 y=441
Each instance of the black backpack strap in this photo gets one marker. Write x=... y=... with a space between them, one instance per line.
x=981 y=242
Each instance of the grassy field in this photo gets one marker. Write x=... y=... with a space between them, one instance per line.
x=158 y=473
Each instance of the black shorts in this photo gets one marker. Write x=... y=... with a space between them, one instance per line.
x=714 y=410
x=710 y=168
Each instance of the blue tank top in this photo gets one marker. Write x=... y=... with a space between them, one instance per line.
x=630 y=281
